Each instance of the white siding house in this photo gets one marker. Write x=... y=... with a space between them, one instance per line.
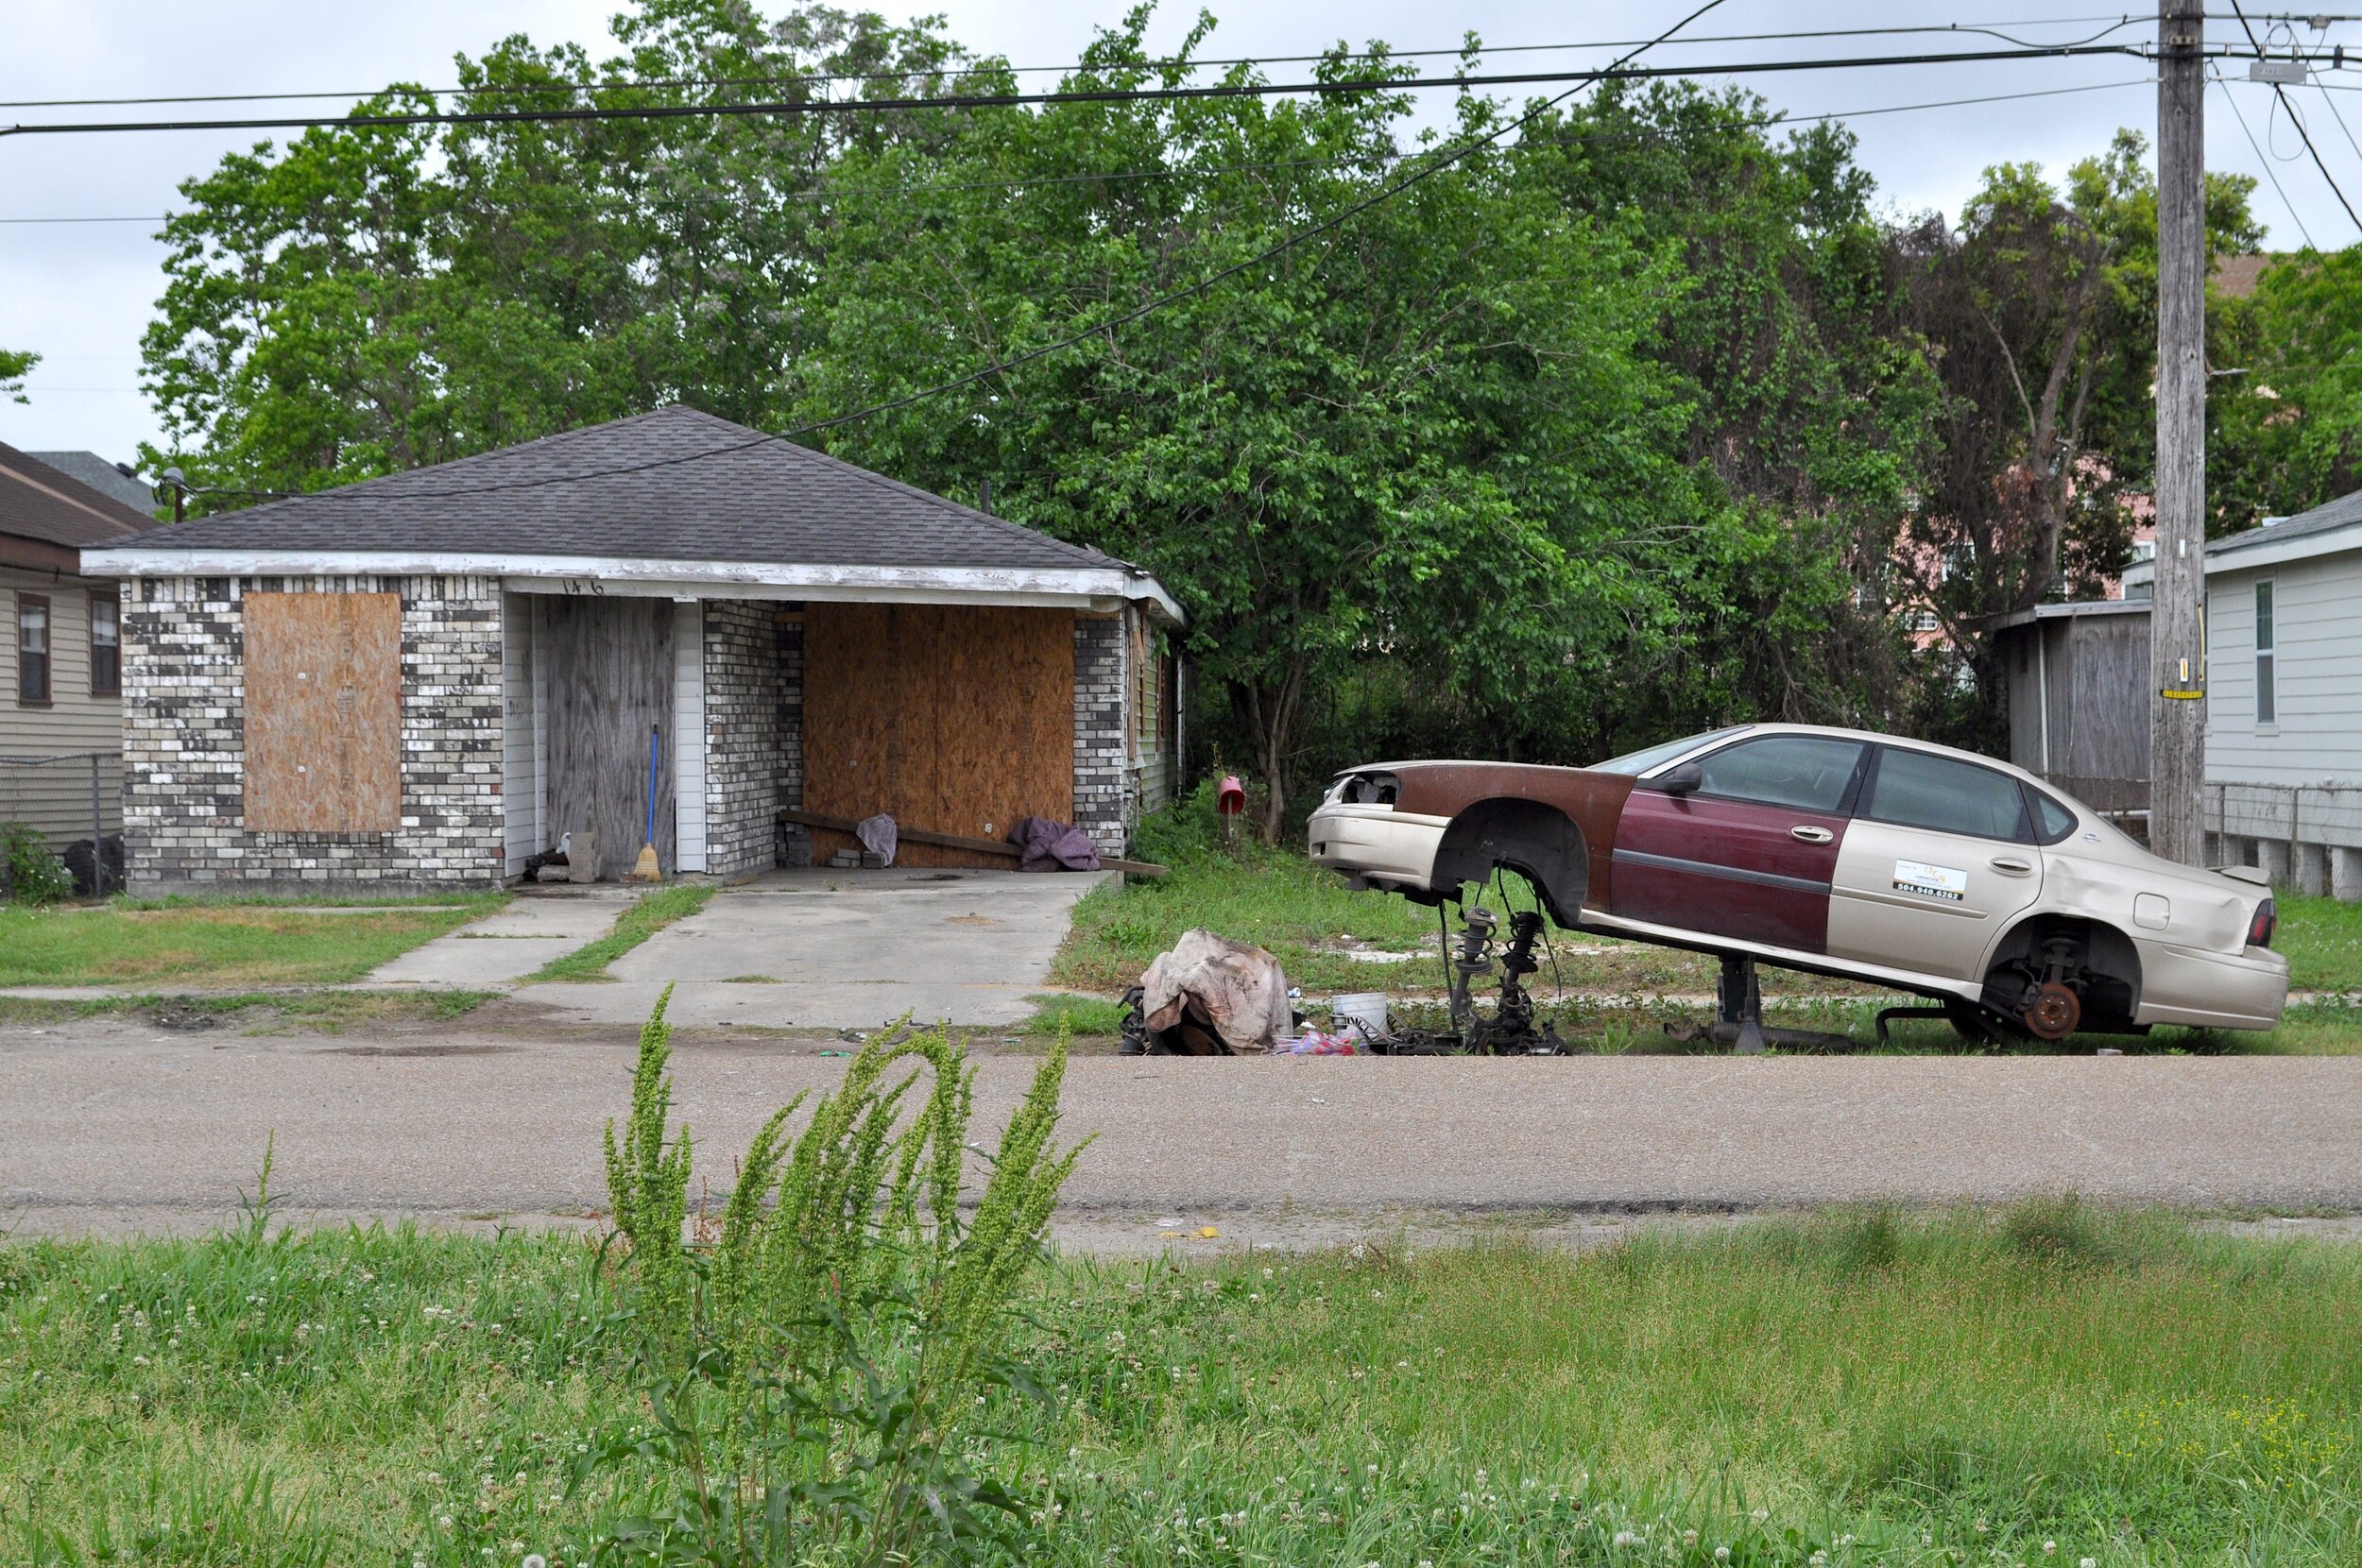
x=2284 y=696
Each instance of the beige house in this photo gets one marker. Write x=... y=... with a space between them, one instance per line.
x=60 y=652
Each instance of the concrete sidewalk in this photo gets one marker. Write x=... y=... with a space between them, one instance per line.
x=500 y=949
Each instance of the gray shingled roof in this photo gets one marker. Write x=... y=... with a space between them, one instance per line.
x=39 y=503
x=674 y=485
x=2320 y=519
x=104 y=477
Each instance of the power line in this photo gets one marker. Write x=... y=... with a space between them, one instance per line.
x=2269 y=173
x=1113 y=175
x=1618 y=72
x=2116 y=23
x=2306 y=136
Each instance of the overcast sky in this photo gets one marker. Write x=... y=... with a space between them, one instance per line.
x=80 y=293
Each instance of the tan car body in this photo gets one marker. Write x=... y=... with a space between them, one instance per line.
x=1452 y=821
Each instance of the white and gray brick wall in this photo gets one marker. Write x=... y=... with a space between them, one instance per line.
x=1105 y=786
x=742 y=735
x=184 y=742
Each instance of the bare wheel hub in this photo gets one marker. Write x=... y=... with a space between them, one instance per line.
x=2054 y=1012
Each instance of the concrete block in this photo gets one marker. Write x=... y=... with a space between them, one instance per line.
x=2312 y=869
x=2345 y=874
x=2273 y=859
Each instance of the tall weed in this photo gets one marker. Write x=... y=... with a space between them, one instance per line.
x=818 y=1378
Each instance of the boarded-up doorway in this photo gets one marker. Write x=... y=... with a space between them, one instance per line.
x=951 y=718
x=610 y=674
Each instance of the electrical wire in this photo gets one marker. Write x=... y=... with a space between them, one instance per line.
x=1993 y=29
x=1112 y=176
x=2269 y=173
x=2282 y=94
x=1620 y=71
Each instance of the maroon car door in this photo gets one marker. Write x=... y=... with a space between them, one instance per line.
x=1749 y=853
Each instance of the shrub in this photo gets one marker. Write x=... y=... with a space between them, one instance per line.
x=32 y=875
x=818 y=1374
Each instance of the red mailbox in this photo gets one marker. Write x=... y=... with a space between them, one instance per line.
x=1230 y=796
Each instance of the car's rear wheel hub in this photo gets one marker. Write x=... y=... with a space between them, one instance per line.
x=2054 y=1012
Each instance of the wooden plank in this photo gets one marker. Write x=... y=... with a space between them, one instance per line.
x=610 y=673
x=951 y=841
x=323 y=712
x=957 y=715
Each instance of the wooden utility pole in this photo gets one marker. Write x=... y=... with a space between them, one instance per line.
x=2176 y=751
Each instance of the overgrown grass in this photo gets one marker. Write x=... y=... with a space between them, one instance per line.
x=215 y=945
x=650 y=913
x=2322 y=938
x=1947 y=1387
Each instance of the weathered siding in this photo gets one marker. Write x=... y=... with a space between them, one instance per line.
x=184 y=741
x=2317 y=633
x=525 y=804
x=689 y=732
x=55 y=797
x=610 y=673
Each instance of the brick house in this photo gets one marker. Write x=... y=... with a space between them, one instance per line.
x=422 y=679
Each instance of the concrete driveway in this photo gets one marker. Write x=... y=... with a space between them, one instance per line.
x=844 y=949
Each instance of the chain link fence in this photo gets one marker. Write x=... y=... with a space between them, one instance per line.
x=73 y=800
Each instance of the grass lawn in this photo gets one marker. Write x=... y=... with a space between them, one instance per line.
x=648 y=915
x=2322 y=938
x=2042 y=1385
x=230 y=943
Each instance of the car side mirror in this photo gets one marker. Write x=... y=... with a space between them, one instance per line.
x=1681 y=780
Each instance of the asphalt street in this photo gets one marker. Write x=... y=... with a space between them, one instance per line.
x=113 y=1125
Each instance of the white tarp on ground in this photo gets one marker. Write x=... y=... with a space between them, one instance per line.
x=1235 y=988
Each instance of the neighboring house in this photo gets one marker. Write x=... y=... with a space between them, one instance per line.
x=425 y=678
x=119 y=481
x=60 y=653
x=2284 y=695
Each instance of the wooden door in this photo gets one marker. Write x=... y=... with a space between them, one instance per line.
x=608 y=666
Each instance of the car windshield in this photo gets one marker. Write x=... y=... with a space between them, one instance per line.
x=1638 y=762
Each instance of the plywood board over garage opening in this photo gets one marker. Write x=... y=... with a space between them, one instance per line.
x=954 y=718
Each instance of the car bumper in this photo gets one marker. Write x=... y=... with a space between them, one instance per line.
x=2203 y=990
x=1377 y=845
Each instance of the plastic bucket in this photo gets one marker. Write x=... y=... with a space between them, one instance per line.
x=1366 y=1008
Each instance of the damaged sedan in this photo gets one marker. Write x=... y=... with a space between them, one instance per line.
x=2015 y=909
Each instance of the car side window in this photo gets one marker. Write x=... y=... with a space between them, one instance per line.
x=1916 y=789
x=1810 y=773
x=2052 y=821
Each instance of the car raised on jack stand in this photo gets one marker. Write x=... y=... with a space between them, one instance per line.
x=2015 y=909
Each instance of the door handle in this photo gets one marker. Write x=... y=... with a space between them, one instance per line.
x=2010 y=866
x=1811 y=835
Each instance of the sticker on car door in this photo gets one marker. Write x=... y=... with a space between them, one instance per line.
x=1931 y=881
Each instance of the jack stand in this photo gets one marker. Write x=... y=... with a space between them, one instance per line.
x=1738 y=1007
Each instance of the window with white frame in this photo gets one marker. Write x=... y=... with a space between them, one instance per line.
x=2267 y=689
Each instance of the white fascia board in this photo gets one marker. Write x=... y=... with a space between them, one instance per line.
x=1074 y=586
x=2333 y=542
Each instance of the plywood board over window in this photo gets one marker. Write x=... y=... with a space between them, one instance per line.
x=951 y=718
x=323 y=712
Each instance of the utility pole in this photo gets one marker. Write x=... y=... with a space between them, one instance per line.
x=2177 y=749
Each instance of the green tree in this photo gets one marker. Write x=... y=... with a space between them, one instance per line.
x=2285 y=406
x=1424 y=436
x=14 y=367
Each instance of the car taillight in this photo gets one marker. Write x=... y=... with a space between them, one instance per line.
x=2259 y=930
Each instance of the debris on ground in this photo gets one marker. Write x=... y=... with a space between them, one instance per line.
x=1213 y=997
